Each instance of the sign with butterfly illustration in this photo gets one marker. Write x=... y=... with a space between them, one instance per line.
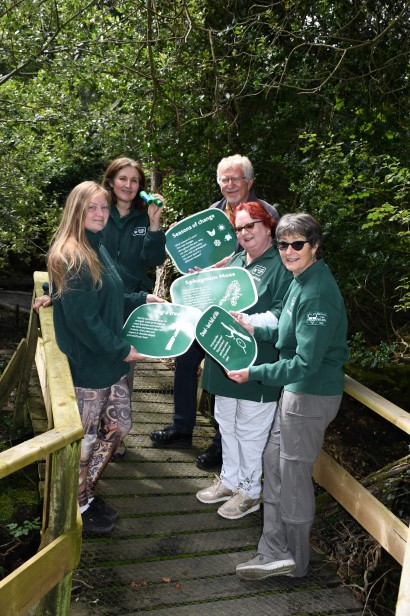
x=161 y=330
x=226 y=340
x=200 y=240
x=232 y=288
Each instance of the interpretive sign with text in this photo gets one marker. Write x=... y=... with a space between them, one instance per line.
x=161 y=330
x=224 y=339
x=233 y=288
x=200 y=240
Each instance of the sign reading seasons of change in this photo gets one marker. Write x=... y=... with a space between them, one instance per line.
x=200 y=240
x=232 y=288
x=161 y=330
x=224 y=339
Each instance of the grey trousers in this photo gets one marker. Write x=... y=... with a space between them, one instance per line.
x=294 y=443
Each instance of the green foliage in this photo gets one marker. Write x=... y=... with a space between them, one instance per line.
x=316 y=96
x=381 y=356
x=25 y=528
x=17 y=492
x=359 y=197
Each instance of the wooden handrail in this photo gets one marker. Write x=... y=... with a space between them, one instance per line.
x=37 y=448
x=392 y=534
x=393 y=413
x=43 y=583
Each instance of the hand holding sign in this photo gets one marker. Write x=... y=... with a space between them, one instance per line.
x=200 y=240
x=226 y=340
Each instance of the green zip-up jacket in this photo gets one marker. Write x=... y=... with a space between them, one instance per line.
x=133 y=248
x=271 y=280
x=311 y=337
x=88 y=323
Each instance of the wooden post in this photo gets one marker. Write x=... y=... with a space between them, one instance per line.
x=62 y=465
x=20 y=418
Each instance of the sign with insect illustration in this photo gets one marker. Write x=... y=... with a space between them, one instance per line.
x=233 y=288
x=200 y=240
x=224 y=339
x=161 y=330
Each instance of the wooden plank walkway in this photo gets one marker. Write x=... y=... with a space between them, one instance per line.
x=169 y=553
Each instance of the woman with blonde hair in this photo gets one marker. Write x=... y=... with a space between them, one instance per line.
x=89 y=310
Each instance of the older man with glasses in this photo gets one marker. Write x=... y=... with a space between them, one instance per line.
x=235 y=176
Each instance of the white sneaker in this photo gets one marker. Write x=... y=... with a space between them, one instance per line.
x=238 y=506
x=261 y=567
x=215 y=493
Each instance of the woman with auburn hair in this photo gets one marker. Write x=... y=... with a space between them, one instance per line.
x=245 y=412
x=89 y=308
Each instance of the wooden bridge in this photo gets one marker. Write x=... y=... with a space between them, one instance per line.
x=168 y=553
x=172 y=554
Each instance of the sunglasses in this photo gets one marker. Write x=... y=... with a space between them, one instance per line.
x=248 y=226
x=298 y=245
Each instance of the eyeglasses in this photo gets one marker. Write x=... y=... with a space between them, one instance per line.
x=298 y=245
x=231 y=178
x=248 y=226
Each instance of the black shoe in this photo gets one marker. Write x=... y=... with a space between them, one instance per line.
x=170 y=437
x=211 y=458
x=119 y=453
x=94 y=522
x=101 y=508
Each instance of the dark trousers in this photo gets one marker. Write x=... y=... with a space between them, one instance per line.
x=185 y=390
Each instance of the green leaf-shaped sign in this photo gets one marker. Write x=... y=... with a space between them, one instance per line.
x=161 y=330
x=200 y=240
x=224 y=339
x=233 y=288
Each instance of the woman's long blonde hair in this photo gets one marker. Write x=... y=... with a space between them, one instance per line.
x=70 y=251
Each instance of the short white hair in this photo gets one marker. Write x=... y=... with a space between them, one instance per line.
x=236 y=159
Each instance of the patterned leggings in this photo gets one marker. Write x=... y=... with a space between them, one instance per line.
x=111 y=408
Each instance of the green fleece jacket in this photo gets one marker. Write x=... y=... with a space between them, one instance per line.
x=271 y=280
x=310 y=337
x=133 y=248
x=88 y=323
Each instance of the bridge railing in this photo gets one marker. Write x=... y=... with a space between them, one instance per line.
x=42 y=585
x=372 y=515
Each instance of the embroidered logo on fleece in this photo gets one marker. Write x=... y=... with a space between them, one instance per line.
x=289 y=309
x=139 y=231
x=258 y=270
x=317 y=318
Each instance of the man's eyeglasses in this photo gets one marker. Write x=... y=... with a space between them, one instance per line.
x=248 y=226
x=298 y=245
x=225 y=179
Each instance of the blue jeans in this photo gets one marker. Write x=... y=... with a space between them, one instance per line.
x=185 y=390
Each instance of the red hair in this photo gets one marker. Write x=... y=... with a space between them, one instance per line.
x=255 y=211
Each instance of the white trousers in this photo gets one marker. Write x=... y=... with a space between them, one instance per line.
x=244 y=426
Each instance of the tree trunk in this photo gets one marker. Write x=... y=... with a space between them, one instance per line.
x=165 y=275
